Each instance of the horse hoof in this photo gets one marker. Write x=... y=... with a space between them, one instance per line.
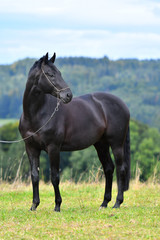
x=57 y=209
x=103 y=205
x=116 y=205
x=33 y=207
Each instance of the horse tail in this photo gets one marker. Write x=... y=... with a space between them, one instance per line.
x=127 y=159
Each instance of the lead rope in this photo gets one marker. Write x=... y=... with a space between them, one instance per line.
x=23 y=139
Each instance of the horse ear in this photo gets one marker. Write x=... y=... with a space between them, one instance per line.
x=53 y=58
x=45 y=58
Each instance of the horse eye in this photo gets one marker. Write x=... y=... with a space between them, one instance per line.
x=50 y=74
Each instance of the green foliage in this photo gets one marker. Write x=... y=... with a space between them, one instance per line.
x=82 y=165
x=14 y=161
x=8 y=131
x=147 y=152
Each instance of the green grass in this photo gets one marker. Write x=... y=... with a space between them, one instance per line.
x=80 y=217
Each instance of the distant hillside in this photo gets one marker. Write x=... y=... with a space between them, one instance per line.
x=12 y=81
x=136 y=82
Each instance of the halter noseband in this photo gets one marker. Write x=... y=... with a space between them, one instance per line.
x=57 y=90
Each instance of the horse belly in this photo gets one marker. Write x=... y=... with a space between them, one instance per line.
x=81 y=138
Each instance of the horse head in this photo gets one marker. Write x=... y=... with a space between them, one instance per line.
x=48 y=79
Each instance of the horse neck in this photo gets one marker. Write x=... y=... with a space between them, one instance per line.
x=31 y=102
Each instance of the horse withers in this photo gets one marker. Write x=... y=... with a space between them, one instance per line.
x=98 y=119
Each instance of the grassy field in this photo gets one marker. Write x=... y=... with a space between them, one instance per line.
x=80 y=217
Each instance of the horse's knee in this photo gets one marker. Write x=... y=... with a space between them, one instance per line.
x=35 y=177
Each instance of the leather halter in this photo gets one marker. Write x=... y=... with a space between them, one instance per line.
x=57 y=90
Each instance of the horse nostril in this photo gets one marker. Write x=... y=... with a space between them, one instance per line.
x=69 y=95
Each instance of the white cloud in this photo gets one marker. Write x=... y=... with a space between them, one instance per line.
x=117 y=28
x=104 y=12
x=81 y=43
x=29 y=6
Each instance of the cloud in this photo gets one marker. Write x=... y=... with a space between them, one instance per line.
x=117 y=28
x=91 y=43
x=90 y=12
x=36 y=7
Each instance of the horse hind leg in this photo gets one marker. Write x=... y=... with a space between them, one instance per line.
x=121 y=175
x=108 y=168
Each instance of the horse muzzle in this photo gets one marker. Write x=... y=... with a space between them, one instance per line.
x=66 y=95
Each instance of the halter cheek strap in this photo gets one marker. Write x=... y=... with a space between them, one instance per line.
x=57 y=90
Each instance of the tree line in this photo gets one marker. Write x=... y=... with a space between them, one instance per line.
x=136 y=82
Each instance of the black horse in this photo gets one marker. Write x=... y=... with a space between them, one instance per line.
x=98 y=119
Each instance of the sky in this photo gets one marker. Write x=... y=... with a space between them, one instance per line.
x=90 y=28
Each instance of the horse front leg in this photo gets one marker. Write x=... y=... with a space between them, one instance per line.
x=33 y=155
x=54 y=156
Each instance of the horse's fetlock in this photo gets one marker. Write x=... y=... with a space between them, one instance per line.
x=58 y=201
x=119 y=200
x=107 y=198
